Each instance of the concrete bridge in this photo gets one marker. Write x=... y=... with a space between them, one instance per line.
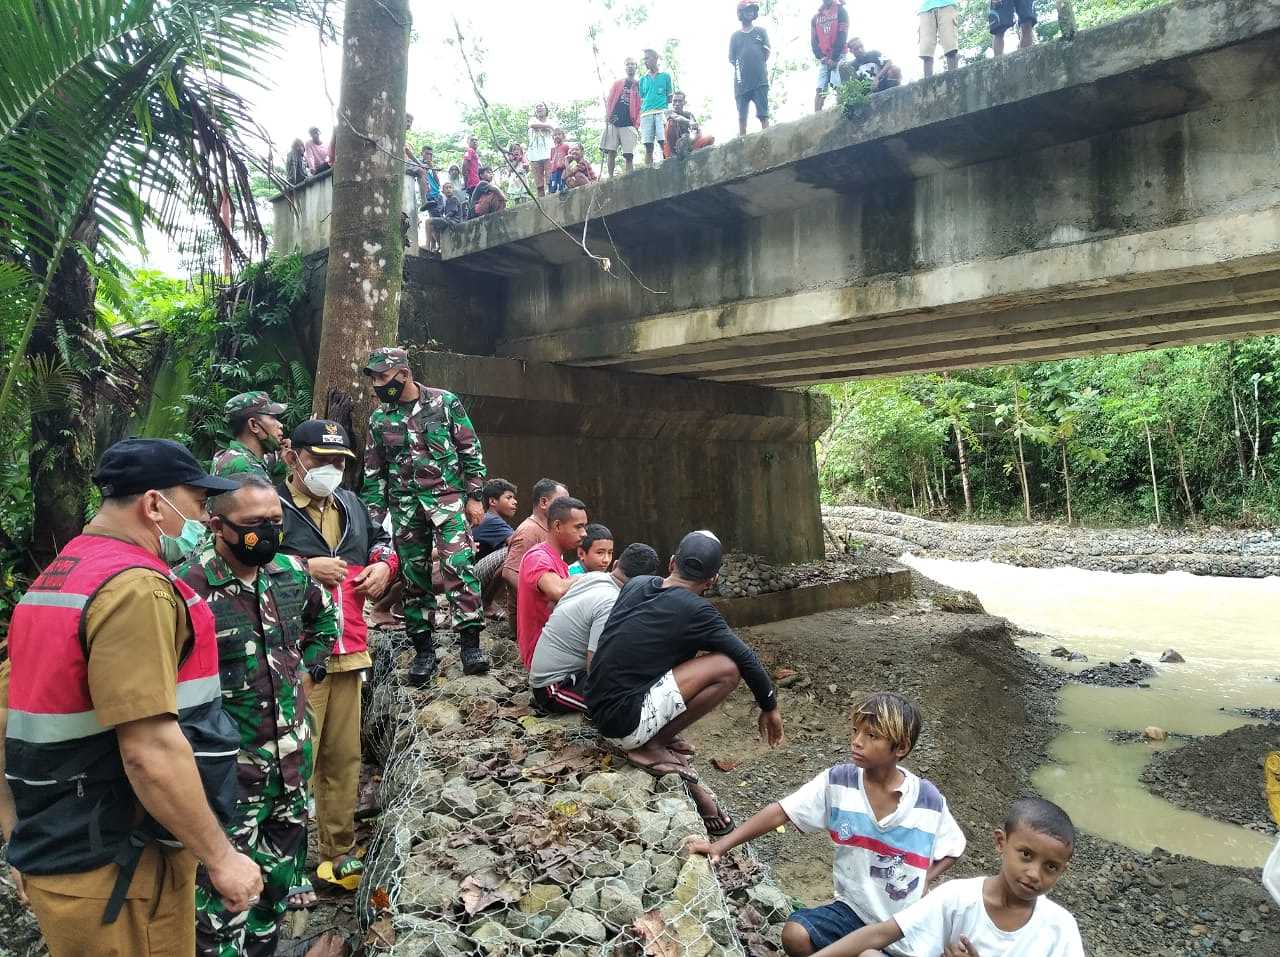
x=1116 y=193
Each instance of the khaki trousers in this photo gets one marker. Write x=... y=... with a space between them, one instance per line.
x=72 y=922
x=335 y=782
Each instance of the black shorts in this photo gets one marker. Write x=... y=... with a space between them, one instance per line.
x=562 y=697
x=760 y=97
x=1000 y=16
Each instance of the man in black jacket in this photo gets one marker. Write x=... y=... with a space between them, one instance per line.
x=329 y=527
x=649 y=679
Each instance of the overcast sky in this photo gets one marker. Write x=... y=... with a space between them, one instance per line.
x=530 y=51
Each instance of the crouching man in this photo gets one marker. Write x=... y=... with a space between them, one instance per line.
x=329 y=528
x=274 y=622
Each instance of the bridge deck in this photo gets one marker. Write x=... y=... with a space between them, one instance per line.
x=1118 y=192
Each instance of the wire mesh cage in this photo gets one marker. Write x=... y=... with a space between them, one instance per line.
x=505 y=833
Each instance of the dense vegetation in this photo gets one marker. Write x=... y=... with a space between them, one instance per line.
x=1171 y=436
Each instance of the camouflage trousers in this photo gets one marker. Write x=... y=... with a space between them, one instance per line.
x=271 y=828
x=416 y=533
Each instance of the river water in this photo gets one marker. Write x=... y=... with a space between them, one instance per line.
x=1229 y=633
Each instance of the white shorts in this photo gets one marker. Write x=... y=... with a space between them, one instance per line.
x=619 y=139
x=663 y=703
x=938 y=26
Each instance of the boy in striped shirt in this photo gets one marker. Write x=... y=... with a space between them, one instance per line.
x=892 y=831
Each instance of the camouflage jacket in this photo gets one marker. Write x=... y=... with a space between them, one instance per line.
x=235 y=459
x=266 y=636
x=428 y=453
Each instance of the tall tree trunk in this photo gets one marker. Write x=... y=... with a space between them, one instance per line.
x=1151 y=459
x=62 y=454
x=963 y=455
x=1067 y=19
x=1022 y=458
x=365 y=272
x=1066 y=480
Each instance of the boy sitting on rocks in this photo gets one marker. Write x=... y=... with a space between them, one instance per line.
x=1000 y=916
x=892 y=831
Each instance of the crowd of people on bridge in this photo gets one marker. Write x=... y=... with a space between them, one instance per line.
x=182 y=698
x=644 y=109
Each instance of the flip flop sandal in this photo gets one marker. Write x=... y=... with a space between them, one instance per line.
x=720 y=815
x=306 y=888
x=658 y=769
x=347 y=875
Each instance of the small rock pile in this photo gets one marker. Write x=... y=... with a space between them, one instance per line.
x=1158 y=899
x=745 y=576
x=1132 y=673
x=504 y=833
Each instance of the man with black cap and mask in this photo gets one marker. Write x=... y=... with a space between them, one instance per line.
x=650 y=678
x=117 y=747
x=275 y=624
x=329 y=528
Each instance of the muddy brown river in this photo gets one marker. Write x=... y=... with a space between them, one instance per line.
x=1228 y=631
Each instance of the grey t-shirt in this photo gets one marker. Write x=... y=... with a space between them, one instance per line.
x=573 y=629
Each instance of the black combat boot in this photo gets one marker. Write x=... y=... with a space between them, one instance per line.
x=474 y=661
x=423 y=667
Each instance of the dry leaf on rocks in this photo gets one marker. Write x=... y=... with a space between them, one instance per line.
x=723 y=764
x=380 y=900
x=783 y=673
x=382 y=934
x=653 y=931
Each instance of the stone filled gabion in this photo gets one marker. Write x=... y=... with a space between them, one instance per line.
x=746 y=576
x=504 y=833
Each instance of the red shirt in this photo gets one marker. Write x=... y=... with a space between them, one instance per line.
x=532 y=607
x=559 y=153
x=470 y=168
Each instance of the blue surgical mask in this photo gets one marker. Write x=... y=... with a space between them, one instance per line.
x=174 y=549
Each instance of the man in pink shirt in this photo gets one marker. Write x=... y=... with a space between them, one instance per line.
x=544 y=575
x=316 y=155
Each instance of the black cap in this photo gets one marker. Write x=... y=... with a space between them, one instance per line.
x=699 y=555
x=139 y=465
x=323 y=437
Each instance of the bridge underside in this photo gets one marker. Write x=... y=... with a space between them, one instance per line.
x=1118 y=193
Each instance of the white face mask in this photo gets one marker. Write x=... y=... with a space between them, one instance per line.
x=322 y=481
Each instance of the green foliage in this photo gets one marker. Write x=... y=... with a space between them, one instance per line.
x=854 y=95
x=232 y=342
x=1212 y=412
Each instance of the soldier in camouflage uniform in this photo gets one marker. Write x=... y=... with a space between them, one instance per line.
x=275 y=625
x=259 y=441
x=422 y=462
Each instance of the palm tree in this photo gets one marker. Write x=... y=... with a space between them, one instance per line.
x=113 y=114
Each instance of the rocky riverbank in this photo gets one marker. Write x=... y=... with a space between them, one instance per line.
x=1220 y=776
x=1213 y=551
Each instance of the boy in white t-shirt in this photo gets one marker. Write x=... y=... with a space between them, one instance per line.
x=1002 y=916
x=892 y=831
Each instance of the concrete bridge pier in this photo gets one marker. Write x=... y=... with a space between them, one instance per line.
x=653 y=457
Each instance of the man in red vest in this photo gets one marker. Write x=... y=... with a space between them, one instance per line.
x=117 y=751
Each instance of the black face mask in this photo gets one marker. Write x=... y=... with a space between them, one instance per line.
x=389 y=391
x=258 y=543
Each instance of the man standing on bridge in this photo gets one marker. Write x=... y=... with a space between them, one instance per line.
x=423 y=464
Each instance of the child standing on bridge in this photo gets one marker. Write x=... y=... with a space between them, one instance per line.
x=892 y=831
x=1000 y=916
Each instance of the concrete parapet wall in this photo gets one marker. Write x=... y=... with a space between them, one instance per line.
x=889 y=585
x=300 y=216
x=653 y=458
